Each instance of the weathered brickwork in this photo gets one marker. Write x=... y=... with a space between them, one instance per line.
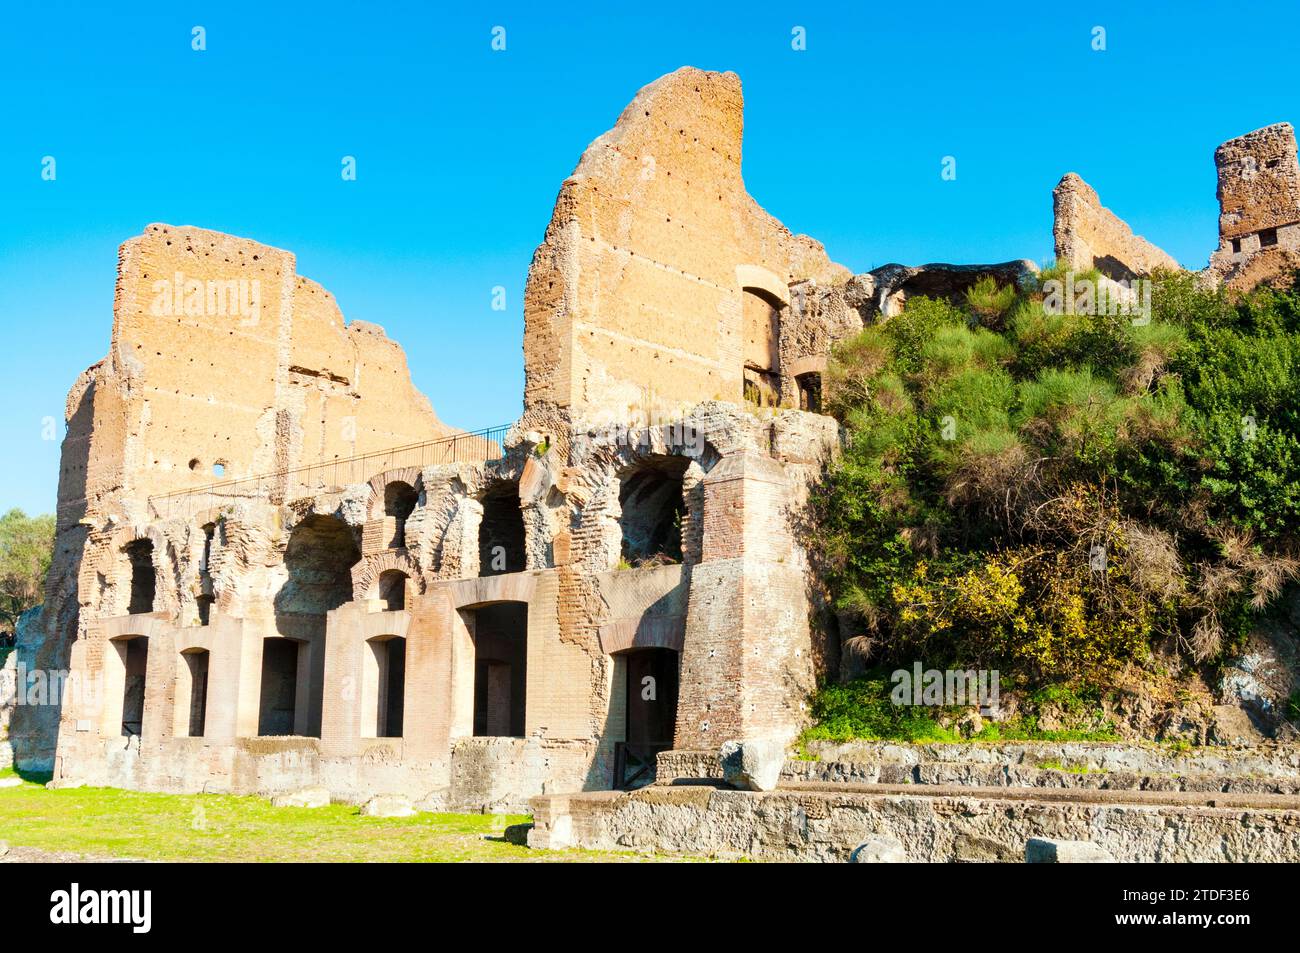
x=267 y=597
x=1088 y=235
x=276 y=569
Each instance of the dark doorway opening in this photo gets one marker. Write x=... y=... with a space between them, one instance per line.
x=390 y=660
x=143 y=579
x=500 y=634
x=651 y=706
x=501 y=534
x=134 y=653
x=278 y=709
x=196 y=660
x=810 y=392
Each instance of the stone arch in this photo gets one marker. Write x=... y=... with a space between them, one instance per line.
x=380 y=481
x=765 y=304
x=365 y=574
x=120 y=569
x=756 y=276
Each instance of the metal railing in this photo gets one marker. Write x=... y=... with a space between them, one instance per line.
x=479 y=446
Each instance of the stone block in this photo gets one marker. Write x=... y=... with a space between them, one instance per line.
x=307 y=797
x=879 y=850
x=753 y=765
x=388 y=805
x=1040 y=850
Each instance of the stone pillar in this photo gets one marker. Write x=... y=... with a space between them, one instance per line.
x=221 y=720
x=747 y=659
x=429 y=703
x=341 y=705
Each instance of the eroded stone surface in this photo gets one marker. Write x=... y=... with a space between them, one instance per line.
x=388 y=805
x=307 y=797
x=879 y=850
x=1259 y=209
x=828 y=825
x=1041 y=850
x=1088 y=235
x=753 y=765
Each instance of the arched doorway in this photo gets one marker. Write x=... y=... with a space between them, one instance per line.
x=392 y=589
x=400 y=500
x=319 y=557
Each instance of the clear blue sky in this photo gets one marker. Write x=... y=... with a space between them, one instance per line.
x=460 y=150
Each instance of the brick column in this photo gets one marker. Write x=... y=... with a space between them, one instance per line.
x=747 y=659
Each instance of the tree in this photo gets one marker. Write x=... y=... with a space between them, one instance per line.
x=26 y=547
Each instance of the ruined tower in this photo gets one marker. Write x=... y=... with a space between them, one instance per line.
x=1259 y=206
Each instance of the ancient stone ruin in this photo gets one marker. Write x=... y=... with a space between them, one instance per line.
x=276 y=569
x=1259 y=219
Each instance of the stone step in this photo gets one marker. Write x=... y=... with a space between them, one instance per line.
x=1265 y=769
x=1015 y=776
x=817 y=821
x=1254 y=802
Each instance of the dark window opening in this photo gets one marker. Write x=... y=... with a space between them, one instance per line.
x=500 y=634
x=399 y=502
x=1236 y=246
x=501 y=534
x=134 y=653
x=209 y=533
x=205 y=608
x=810 y=392
x=143 y=580
x=1267 y=237
x=196 y=661
x=653 y=511
x=278 y=702
x=205 y=599
x=390 y=660
x=392 y=589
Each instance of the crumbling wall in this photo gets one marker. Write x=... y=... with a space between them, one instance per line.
x=1088 y=235
x=1259 y=208
x=223 y=363
x=635 y=294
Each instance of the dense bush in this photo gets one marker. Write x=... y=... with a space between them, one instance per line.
x=1061 y=496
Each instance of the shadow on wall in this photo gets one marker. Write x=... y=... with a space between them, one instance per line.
x=44 y=635
x=319 y=557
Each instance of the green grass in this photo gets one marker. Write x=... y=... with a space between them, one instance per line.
x=1069 y=768
x=217 y=827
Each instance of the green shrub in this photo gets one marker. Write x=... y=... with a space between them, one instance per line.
x=1058 y=494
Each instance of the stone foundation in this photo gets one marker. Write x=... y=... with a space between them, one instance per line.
x=827 y=824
